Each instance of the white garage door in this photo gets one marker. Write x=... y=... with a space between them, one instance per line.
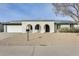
x=14 y=28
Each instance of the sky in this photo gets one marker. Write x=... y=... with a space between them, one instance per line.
x=29 y=11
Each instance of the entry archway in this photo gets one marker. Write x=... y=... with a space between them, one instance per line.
x=47 y=28
x=37 y=28
x=29 y=26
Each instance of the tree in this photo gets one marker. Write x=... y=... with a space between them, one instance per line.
x=69 y=9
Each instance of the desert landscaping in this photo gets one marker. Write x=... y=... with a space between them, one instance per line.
x=39 y=44
x=39 y=39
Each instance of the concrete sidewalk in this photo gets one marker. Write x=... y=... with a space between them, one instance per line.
x=39 y=51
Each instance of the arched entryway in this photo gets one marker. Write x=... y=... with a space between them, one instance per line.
x=37 y=28
x=29 y=26
x=47 y=28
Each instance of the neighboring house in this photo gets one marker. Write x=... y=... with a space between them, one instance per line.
x=40 y=26
x=1 y=28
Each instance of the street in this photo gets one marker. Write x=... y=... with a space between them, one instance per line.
x=39 y=51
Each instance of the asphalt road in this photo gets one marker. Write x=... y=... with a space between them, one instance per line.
x=39 y=51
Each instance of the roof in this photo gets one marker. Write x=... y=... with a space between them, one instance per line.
x=31 y=20
x=65 y=22
x=19 y=22
x=8 y=23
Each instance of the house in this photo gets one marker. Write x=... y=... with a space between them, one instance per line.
x=37 y=26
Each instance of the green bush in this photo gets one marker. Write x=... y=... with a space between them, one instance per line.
x=72 y=30
x=76 y=30
x=1 y=30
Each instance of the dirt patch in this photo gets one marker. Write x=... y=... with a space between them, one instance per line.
x=40 y=39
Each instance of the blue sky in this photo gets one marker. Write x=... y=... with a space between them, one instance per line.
x=28 y=11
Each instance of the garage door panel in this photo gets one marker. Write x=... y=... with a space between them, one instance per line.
x=14 y=28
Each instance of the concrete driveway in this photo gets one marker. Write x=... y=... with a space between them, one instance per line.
x=39 y=51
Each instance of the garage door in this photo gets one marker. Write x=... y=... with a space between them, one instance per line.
x=14 y=28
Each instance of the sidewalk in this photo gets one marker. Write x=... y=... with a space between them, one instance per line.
x=39 y=51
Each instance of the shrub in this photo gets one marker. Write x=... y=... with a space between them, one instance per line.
x=69 y=30
x=76 y=30
x=1 y=30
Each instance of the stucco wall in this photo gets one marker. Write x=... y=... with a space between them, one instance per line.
x=65 y=26
x=41 y=23
x=76 y=26
x=55 y=27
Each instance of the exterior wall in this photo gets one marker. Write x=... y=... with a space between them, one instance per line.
x=5 y=28
x=55 y=27
x=14 y=28
x=41 y=23
x=76 y=26
x=61 y=26
x=1 y=28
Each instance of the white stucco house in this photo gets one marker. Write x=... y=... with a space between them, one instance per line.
x=36 y=26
